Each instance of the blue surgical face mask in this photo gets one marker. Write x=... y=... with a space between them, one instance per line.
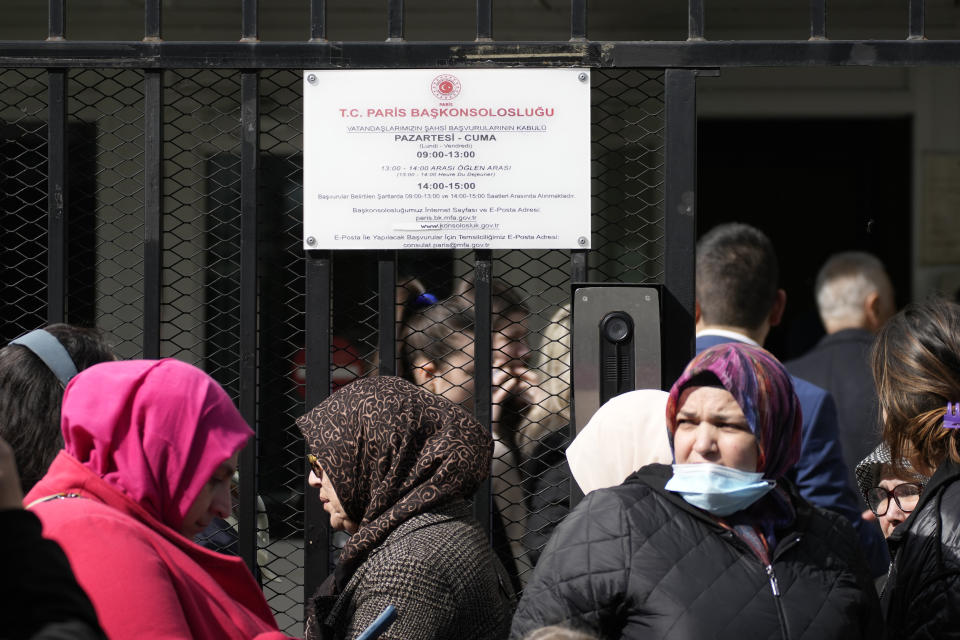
x=718 y=489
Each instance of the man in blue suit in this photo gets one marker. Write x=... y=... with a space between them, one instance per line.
x=737 y=299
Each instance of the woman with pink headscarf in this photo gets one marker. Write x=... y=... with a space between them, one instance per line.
x=150 y=448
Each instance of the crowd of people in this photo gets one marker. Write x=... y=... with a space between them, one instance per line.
x=814 y=499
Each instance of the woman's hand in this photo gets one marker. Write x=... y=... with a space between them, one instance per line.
x=514 y=390
x=11 y=495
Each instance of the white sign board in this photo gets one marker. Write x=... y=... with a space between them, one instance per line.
x=434 y=158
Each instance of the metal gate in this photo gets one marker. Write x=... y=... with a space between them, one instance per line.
x=152 y=188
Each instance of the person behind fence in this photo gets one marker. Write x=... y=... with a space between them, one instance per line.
x=916 y=366
x=720 y=545
x=149 y=450
x=438 y=353
x=737 y=299
x=543 y=435
x=395 y=466
x=34 y=369
x=39 y=595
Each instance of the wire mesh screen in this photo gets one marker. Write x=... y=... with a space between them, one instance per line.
x=109 y=276
x=628 y=143
x=23 y=199
x=530 y=323
x=201 y=260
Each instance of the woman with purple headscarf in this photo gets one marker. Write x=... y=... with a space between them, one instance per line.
x=718 y=545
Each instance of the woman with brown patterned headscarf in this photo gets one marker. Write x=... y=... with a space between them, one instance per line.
x=395 y=466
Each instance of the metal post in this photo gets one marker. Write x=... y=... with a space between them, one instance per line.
x=57 y=174
x=152 y=209
x=152 y=187
x=249 y=177
x=152 y=20
x=318 y=20
x=578 y=19
x=578 y=265
x=395 y=19
x=818 y=19
x=484 y=20
x=916 y=28
x=387 y=285
x=316 y=521
x=695 y=20
x=578 y=274
x=680 y=222
x=483 y=370
x=250 y=27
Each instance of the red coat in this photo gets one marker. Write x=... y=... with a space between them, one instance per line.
x=145 y=579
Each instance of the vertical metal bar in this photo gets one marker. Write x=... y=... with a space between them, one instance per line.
x=250 y=28
x=316 y=521
x=578 y=274
x=395 y=19
x=249 y=177
x=916 y=28
x=695 y=20
x=483 y=370
x=56 y=19
x=818 y=19
x=484 y=19
x=152 y=19
x=56 y=195
x=387 y=285
x=680 y=222
x=318 y=20
x=152 y=209
x=578 y=19
x=56 y=173
x=578 y=265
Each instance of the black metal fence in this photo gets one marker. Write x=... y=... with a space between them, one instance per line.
x=154 y=189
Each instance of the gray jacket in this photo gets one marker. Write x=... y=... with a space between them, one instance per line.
x=440 y=573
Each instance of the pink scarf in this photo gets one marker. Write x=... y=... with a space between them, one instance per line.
x=155 y=430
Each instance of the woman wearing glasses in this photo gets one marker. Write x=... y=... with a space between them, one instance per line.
x=891 y=494
x=395 y=466
x=916 y=366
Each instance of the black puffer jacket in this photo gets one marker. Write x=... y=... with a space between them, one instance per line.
x=636 y=561
x=922 y=595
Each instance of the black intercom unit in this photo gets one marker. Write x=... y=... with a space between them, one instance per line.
x=615 y=343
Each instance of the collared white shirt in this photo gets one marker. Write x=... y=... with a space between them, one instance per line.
x=724 y=333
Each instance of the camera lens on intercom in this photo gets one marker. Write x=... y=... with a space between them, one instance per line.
x=616 y=328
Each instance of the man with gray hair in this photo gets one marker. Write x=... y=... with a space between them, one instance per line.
x=854 y=298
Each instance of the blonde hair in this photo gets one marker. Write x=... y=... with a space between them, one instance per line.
x=553 y=364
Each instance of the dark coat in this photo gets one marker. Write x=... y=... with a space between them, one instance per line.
x=39 y=596
x=440 y=573
x=840 y=363
x=922 y=595
x=821 y=475
x=636 y=561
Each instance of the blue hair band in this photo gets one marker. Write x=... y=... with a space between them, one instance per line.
x=426 y=299
x=51 y=351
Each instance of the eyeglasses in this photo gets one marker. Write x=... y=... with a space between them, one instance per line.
x=906 y=495
x=315 y=465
